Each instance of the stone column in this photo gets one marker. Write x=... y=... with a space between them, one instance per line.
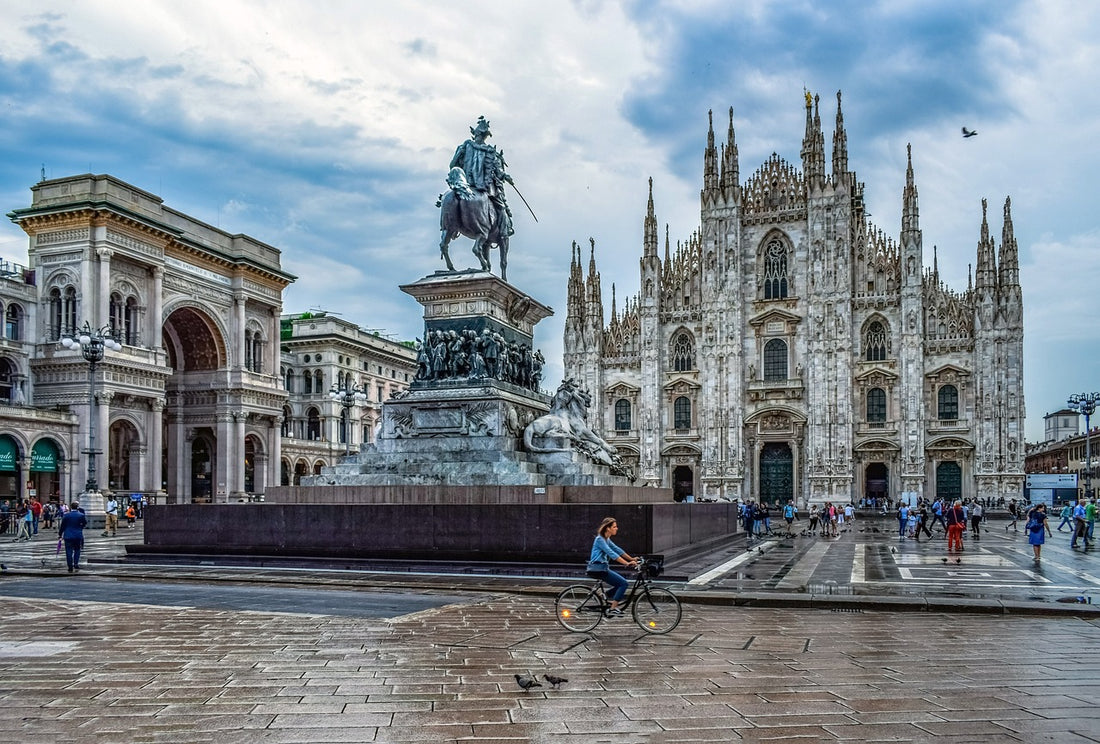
x=275 y=446
x=102 y=312
x=236 y=469
x=238 y=332
x=224 y=467
x=156 y=319
x=156 y=446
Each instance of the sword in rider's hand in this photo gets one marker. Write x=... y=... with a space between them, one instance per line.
x=513 y=185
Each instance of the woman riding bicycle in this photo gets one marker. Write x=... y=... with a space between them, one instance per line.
x=603 y=552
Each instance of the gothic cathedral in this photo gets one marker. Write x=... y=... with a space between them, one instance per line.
x=791 y=349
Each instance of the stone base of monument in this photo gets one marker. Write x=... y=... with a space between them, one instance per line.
x=450 y=532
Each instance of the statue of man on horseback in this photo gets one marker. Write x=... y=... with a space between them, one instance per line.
x=476 y=205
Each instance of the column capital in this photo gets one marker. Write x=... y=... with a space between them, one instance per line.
x=104 y=253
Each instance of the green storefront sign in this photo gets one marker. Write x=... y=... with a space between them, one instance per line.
x=44 y=457
x=9 y=455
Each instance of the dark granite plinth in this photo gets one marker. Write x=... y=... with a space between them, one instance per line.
x=477 y=532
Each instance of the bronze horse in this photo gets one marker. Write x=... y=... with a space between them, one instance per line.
x=464 y=211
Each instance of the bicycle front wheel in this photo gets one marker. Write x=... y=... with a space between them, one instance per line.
x=657 y=611
x=579 y=608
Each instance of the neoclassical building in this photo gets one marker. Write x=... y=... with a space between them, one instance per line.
x=790 y=348
x=191 y=407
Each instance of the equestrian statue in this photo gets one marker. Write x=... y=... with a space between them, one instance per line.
x=475 y=205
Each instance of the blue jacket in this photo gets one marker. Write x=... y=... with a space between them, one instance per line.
x=603 y=551
x=72 y=525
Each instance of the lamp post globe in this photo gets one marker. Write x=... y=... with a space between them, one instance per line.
x=92 y=343
x=1085 y=404
x=347 y=396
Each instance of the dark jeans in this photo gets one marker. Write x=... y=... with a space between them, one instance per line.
x=73 y=546
x=617 y=582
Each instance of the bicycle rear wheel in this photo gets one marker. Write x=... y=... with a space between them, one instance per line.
x=657 y=611
x=579 y=607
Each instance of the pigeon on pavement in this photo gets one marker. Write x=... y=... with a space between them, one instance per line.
x=554 y=681
x=527 y=682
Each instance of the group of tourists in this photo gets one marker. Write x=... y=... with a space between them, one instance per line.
x=828 y=520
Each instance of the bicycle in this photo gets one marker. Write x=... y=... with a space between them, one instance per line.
x=581 y=607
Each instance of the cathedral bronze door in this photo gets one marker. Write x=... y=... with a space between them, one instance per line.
x=877 y=485
x=949 y=481
x=776 y=473
x=683 y=482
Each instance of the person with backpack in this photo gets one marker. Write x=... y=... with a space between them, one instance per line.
x=26 y=519
x=790 y=513
x=1013 y=515
x=956 y=526
x=1037 y=529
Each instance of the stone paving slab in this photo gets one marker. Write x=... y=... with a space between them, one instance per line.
x=104 y=672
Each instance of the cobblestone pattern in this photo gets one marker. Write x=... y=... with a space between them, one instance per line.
x=95 y=672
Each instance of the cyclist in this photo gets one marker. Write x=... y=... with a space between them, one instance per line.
x=603 y=552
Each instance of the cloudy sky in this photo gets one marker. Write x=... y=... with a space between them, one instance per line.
x=325 y=129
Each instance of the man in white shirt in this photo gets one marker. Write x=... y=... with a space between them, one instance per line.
x=112 y=517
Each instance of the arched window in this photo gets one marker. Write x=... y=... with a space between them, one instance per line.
x=875 y=342
x=948 y=403
x=7 y=388
x=775 y=270
x=130 y=335
x=681 y=413
x=683 y=352
x=775 y=360
x=286 y=421
x=257 y=353
x=13 y=322
x=115 y=310
x=318 y=381
x=69 y=309
x=622 y=415
x=313 y=425
x=876 y=405
x=288 y=380
x=56 y=316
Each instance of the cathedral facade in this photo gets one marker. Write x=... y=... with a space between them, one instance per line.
x=790 y=349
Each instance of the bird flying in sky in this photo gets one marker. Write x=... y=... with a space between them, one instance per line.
x=969 y=132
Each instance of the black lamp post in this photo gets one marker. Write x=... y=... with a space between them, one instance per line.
x=91 y=342
x=1085 y=403
x=347 y=396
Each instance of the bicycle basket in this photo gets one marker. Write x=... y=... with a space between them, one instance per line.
x=654 y=565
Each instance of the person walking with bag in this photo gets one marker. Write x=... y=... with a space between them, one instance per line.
x=956 y=525
x=1037 y=529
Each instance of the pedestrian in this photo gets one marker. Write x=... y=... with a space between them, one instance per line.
x=112 y=517
x=131 y=516
x=832 y=519
x=814 y=514
x=1080 y=526
x=26 y=519
x=903 y=518
x=976 y=513
x=1090 y=518
x=1037 y=529
x=1013 y=515
x=603 y=552
x=937 y=513
x=765 y=517
x=49 y=512
x=956 y=526
x=748 y=519
x=36 y=512
x=71 y=530
x=790 y=513
x=850 y=515
x=1067 y=516
x=922 y=521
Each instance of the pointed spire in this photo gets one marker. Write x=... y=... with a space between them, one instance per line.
x=936 y=264
x=614 y=309
x=840 y=145
x=650 y=231
x=970 y=277
x=813 y=144
x=910 y=214
x=986 y=275
x=1008 y=259
x=730 y=168
x=668 y=260
x=710 y=162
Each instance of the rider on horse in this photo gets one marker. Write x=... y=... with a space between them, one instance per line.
x=484 y=167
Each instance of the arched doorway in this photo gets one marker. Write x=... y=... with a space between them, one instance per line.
x=43 y=477
x=776 y=473
x=121 y=463
x=876 y=484
x=949 y=481
x=9 y=469
x=301 y=469
x=284 y=473
x=683 y=482
x=202 y=471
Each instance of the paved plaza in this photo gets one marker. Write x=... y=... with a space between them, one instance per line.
x=122 y=653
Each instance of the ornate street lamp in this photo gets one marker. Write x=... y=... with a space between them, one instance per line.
x=347 y=396
x=1085 y=403
x=91 y=343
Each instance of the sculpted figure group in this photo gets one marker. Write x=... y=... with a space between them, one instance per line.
x=467 y=355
